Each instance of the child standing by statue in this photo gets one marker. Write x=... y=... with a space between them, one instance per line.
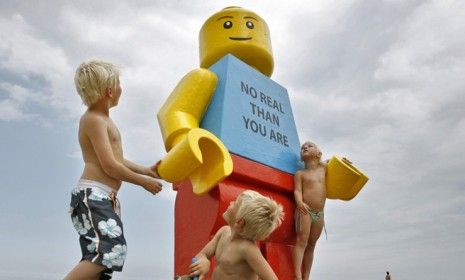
x=94 y=206
x=310 y=198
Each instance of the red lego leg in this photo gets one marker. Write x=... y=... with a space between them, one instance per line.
x=197 y=218
x=279 y=256
x=193 y=224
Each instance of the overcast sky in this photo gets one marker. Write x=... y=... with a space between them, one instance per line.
x=380 y=82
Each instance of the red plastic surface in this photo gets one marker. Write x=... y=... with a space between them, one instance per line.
x=197 y=218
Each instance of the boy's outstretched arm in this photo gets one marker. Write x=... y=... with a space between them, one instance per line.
x=95 y=128
x=202 y=265
x=148 y=171
x=259 y=265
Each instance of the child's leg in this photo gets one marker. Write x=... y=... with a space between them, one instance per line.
x=315 y=232
x=85 y=270
x=301 y=243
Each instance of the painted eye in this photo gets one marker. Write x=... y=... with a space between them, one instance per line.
x=227 y=24
x=249 y=25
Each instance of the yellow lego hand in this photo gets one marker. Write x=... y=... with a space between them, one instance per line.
x=199 y=156
x=343 y=180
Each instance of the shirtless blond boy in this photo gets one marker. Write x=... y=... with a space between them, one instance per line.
x=310 y=197
x=250 y=217
x=94 y=207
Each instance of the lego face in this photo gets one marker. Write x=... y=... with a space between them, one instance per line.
x=239 y=32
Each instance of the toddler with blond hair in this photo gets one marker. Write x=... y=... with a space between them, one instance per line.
x=251 y=217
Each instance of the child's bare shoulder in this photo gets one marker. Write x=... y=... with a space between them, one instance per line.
x=299 y=172
x=91 y=120
x=223 y=233
x=224 y=230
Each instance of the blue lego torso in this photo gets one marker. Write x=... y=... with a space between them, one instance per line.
x=252 y=115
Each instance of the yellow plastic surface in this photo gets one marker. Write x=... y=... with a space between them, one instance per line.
x=184 y=108
x=247 y=38
x=343 y=180
x=201 y=157
x=193 y=153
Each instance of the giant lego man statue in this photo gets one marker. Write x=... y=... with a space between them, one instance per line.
x=228 y=127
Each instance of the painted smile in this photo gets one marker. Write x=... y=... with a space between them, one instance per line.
x=240 y=38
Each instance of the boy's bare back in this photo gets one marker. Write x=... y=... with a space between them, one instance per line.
x=96 y=129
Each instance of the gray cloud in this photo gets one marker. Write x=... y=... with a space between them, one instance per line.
x=380 y=82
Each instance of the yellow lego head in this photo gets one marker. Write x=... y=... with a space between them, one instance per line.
x=239 y=32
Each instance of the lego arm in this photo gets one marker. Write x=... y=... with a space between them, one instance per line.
x=193 y=152
x=186 y=105
x=343 y=180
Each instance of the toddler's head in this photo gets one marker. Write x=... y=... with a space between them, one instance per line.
x=260 y=215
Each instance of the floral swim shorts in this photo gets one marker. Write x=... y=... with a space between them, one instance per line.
x=95 y=214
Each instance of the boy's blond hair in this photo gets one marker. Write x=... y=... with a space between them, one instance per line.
x=261 y=215
x=93 y=77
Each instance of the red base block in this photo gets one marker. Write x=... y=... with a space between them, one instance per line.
x=279 y=256
x=197 y=218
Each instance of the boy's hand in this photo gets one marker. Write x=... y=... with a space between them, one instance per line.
x=200 y=268
x=303 y=207
x=151 y=185
x=152 y=172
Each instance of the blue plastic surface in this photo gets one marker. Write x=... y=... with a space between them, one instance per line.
x=252 y=115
